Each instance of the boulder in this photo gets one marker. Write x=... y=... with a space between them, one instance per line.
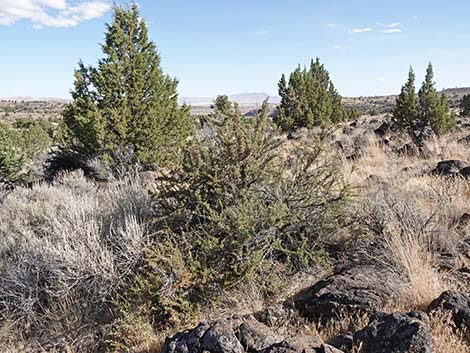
x=396 y=333
x=353 y=291
x=301 y=344
x=455 y=303
x=449 y=167
x=256 y=336
x=232 y=335
x=213 y=337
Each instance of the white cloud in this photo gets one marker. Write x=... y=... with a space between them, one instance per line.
x=51 y=13
x=332 y=25
x=337 y=47
x=393 y=25
x=360 y=30
x=392 y=30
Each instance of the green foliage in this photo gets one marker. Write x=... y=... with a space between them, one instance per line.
x=434 y=108
x=352 y=113
x=35 y=139
x=405 y=113
x=236 y=213
x=309 y=99
x=11 y=159
x=127 y=99
x=429 y=109
x=465 y=105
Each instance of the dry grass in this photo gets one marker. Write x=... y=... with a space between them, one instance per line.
x=446 y=338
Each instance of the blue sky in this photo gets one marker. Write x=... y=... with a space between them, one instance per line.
x=227 y=46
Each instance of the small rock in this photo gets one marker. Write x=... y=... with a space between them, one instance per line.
x=348 y=130
x=458 y=304
x=465 y=172
x=466 y=140
x=409 y=150
x=396 y=333
x=342 y=342
x=382 y=129
x=449 y=167
x=301 y=344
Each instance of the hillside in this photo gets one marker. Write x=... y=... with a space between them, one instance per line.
x=12 y=108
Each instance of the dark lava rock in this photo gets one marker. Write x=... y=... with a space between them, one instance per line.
x=341 y=145
x=357 y=290
x=413 y=150
x=342 y=342
x=223 y=336
x=466 y=140
x=457 y=304
x=215 y=337
x=348 y=130
x=383 y=129
x=241 y=336
x=410 y=150
x=421 y=134
x=396 y=333
x=256 y=336
x=449 y=167
x=464 y=220
x=465 y=172
x=301 y=344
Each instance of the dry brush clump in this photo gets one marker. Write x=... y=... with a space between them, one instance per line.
x=66 y=249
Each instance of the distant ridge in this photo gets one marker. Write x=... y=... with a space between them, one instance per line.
x=240 y=98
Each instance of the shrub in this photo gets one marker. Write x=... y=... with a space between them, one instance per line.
x=11 y=158
x=66 y=250
x=465 y=105
x=236 y=213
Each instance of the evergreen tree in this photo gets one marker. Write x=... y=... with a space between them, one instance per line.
x=127 y=100
x=430 y=109
x=465 y=105
x=222 y=105
x=434 y=108
x=428 y=98
x=405 y=112
x=309 y=98
x=11 y=158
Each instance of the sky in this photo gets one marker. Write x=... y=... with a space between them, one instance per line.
x=232 y=46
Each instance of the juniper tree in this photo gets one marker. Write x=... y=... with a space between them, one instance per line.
x=465 y=105
x=309 y=98
x=127 y=100
x=434 y=108
x=428 y=97
x=405 y=112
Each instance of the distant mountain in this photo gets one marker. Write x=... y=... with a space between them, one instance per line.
x=36 y=99
x=240 y=98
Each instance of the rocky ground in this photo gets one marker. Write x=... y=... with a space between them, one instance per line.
x=402 y=280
